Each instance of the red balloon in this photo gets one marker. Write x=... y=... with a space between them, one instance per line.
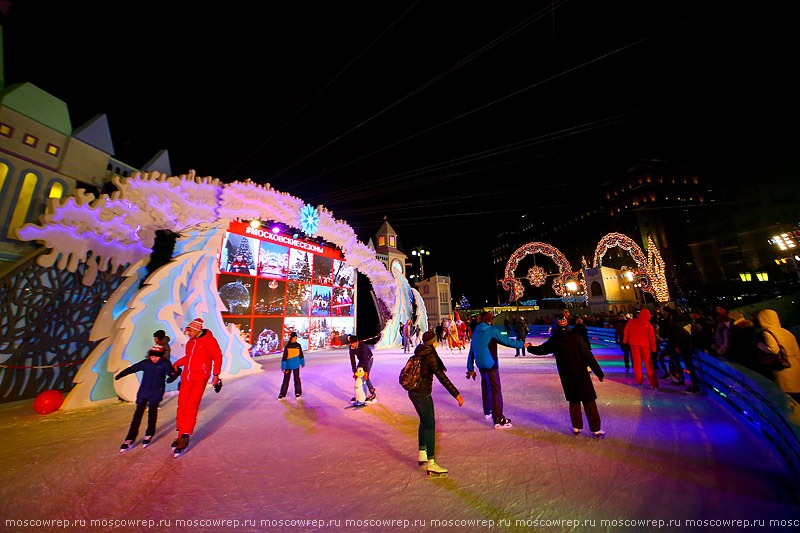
x=48 y=401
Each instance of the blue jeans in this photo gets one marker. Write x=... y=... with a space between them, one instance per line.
x=492 y=393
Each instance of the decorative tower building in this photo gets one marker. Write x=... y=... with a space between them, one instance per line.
x=386 y=250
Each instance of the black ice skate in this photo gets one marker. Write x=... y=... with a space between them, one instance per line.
x=126 y=445
x=182 y=444
x=147 y=440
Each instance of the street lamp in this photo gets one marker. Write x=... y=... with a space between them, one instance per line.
x=419 y=252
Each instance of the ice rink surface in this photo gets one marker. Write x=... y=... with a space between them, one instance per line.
x=314 y=464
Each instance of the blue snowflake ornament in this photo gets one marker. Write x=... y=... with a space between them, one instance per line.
x=309 y=220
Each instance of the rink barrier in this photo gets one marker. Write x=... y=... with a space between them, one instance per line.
x=595 y=334
x=758 y=400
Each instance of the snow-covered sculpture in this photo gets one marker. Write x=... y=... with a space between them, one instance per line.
x=119 y=230
x=402 y=311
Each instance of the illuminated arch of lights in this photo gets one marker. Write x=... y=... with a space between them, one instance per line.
x=649 y=273
x=536 y=275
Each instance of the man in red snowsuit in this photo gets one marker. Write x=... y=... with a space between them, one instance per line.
x=202 y=352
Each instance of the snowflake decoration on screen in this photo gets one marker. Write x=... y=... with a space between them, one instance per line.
x=309 y=220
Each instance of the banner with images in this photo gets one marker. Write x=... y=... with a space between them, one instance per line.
x=273 y=284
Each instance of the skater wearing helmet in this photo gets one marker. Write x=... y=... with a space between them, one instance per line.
x=430 y=365
x=155 y=370
x=202 y=354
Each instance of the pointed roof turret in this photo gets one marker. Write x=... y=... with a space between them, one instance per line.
x=96 y=133
x=386 y=238
x=160 y=163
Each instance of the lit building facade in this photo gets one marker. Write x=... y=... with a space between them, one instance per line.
x=716 y=242
x=42 y=157
x=435 y=292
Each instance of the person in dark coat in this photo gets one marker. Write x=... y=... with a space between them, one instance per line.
x=581 y=329
x=155 y=370
x=572 y=358
x=619 y=330
x=430 y=365
x=361 y=357
x=521 y=330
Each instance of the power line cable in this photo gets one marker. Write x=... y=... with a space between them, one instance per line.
x=321 y=90
x=508 y=96
x=519 y=27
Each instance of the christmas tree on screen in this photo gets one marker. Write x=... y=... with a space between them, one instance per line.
x=305 y=270
x=246 y=253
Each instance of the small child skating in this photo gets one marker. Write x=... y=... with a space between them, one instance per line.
x=160 y=339
x=155 y=369
x=291 y=362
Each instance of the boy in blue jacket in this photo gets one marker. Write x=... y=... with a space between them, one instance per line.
x=291 y=362
x=155 y=369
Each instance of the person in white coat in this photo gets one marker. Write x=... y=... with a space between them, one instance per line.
x=775 y=338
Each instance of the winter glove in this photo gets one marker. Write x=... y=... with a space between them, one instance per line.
x=218 y=386
x=471 y=374
x=172 y=377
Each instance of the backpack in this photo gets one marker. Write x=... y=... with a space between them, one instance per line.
x=411 y=376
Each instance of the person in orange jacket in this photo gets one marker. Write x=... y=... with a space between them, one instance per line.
x=641 y=337
x=202 y=355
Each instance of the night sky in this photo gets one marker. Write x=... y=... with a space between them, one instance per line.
x=451 y=119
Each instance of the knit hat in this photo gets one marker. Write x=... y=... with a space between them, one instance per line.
x=157 y=348
x=292 y=335
x=562 y=321
x=197 y=324
x=156 y=351
x=429 y=337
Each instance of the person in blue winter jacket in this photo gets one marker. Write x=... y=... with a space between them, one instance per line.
x=291 y=362
x=483 y=353
x=155 y=370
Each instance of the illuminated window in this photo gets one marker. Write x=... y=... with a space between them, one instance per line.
x=56 y=190
x=3 y=174
x=381 y=241
x=23 y=203
x=30 y=140
x=6 y=130
x=52 y=149
x=392 y=241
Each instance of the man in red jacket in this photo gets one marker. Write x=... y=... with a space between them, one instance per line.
x=202 y=353
x=640 y=336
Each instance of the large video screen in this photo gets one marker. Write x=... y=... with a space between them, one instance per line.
x=273 y=284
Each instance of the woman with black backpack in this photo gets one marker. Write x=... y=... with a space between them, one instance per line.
x=430 y=365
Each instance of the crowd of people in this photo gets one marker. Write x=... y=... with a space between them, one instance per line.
x=658 y=345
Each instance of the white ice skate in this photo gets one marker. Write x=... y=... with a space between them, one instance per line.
x=423 y=457
x=434 y=470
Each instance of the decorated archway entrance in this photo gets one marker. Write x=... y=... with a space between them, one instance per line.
x=648 y=274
